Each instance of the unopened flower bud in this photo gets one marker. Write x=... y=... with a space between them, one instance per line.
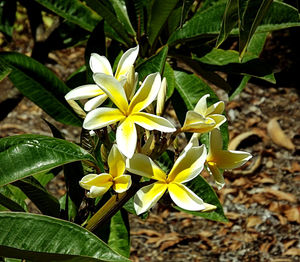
x=161 y=97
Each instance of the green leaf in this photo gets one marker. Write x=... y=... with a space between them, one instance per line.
x=45 y=202
x=74 y=11
x=68 y=207
x=250 y=18
x=102 y=8
x=121 y=12
x=12 y=198
x=36 y=237
x=192 y=88
x=26 y=155
x=205 y=191
x=40 y=85
x=208 y=22
x=169 y=75
x=119 y=233
x=7 y=16
x=159 y=14
x=230 y=19
x=45 y=178
x=153 y=64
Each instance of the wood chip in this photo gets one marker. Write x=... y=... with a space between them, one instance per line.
x=278 y=136
x=292 y=252
x=253 y=221
x=281 y=195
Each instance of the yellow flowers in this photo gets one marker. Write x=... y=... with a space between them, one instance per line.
x=99 y=184
x=127 y=114
x=189 y=164
x=204 y=119
x=219 y=159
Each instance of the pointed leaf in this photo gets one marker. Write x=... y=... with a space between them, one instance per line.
x=26 y=155
x=41 y=86
x=74 y=11
x=8 y=10
x=45 y=202
x=21 y=237
x=12 y=198
x=159 y=15
x=153 y=64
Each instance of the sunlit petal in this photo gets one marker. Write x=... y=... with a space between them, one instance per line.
x=83 y=92
x=194 y=122
x=208 y=207
x=126 y=137
x=217 y=174
x=143 y=165
x=215 y=143
x=95 y=102
x=127 y=60
x=122 y=183
x=100 y=64
x=188 y=165
x=219 y=119
x=113 y=88
x=216 y=108
x=161 y=97
x=148 y=196
x=101 y=117
x=96 y=191
x=130 y=84
x=230 y=159
x=146 y=93
x=201 y=106
x=185 y=198
x=116 y=162
x=150 y=122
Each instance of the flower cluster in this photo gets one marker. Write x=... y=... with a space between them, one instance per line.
x=135 y=144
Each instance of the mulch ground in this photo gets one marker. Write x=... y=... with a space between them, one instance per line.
x=261 y=200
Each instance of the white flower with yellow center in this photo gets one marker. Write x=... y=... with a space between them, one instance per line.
x=100 y=64
x=218 y=159
x=189 y=164
x=203 y=119
x=127 y=114
x=99 y=184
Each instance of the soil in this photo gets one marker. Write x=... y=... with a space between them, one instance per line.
x=261 y=201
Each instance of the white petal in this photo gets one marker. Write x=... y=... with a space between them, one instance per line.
x=188 y=165
x=126 y=137
x=114 y=90
x=95 y=102
x=96 y=191
x=150 y=122
x=216 y=108
x=201 y=106
x=146 y=94
x=185 y=198
x=143 y=165
x=100 y=64
x=101 y=117
x=83 y=92
x=148 y=196
x=127 y=60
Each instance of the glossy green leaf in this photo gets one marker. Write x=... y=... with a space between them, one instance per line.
x=250 y=18
x=121 y=12
x=8 y=10
x=45 y=202
x=159 y=14
x=119 y=233
x=230 y=19
x=12 y=198
x=192 y=88
x=207 y=23
x=102 y=8
x=26 y=155
x=40 y=85
x=153 y=64
x=205 y=191
x=43 y=238
x=169 y=75
x=45 y=178
x=68 y=208
x=74 y=11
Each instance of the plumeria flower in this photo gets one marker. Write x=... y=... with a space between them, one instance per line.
x=99 y=184
x=218 y=159
x=127 y=114
x=188 y=165
x=100 y=64
x=203 y=119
